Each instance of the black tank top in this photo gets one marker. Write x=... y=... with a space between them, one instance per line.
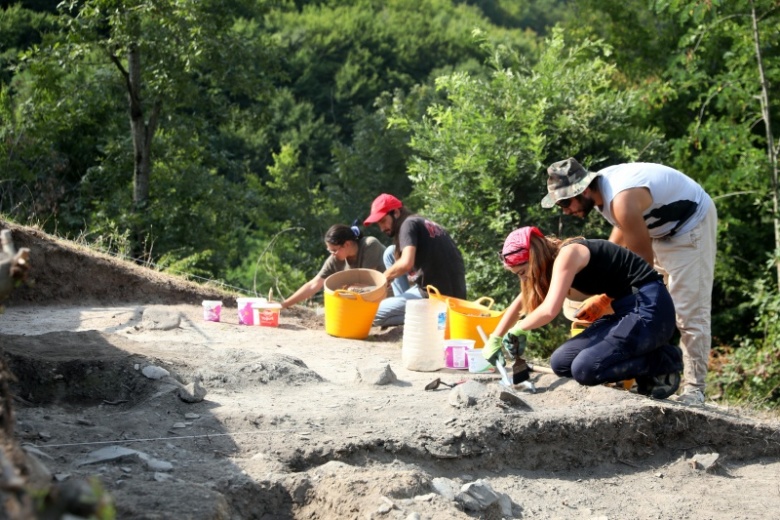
x=613 y=270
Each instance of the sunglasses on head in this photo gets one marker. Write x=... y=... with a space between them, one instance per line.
x=565 y=203
x=503 y=256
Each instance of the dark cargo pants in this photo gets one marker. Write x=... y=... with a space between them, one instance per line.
x=632 y=342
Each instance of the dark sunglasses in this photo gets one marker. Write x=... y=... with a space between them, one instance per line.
x=503 y=256
x=565 y=203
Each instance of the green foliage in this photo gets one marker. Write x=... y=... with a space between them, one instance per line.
x=70 y=104
x=752 y=372
x=302 y=214
x=536 y=15
x=20 y=29
x=639 y=39
x=479 y=159
x=712 y=111
x=277 y=120
x=714 y=84
x=344 y=54
x=49 y=139
x=375 y=162
x=108 y=238
x=262 y=268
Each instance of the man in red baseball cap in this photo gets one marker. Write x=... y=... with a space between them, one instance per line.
x=422 y=254
x=381 y=206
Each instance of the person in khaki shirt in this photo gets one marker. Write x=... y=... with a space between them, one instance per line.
x=348 y=248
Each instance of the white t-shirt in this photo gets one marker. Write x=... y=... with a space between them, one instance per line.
x=679 y=203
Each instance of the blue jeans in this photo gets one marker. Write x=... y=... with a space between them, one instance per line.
x=633 y=342
x=392 y=310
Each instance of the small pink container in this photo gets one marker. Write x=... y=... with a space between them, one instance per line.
x=211 y=310
x=455 y=353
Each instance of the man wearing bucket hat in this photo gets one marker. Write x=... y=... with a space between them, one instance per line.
x=631 y=343
x=422 y=253
x=669 y=220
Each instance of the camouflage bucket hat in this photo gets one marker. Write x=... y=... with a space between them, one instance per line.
x=566 y=179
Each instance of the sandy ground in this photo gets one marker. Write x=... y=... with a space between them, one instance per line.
x=295 y=423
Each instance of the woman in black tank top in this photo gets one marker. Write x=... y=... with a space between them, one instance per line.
x=631 y=343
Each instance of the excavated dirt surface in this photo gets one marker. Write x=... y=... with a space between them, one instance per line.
x=294 y=425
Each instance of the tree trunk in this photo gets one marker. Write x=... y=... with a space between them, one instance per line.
x=142 y=131
x=771 y=150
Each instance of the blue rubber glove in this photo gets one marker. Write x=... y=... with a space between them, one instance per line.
x=492 y=351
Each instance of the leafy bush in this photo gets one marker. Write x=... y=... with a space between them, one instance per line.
x=752 y=372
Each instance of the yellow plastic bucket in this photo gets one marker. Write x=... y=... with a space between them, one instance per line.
x=464 y=317
x=478 y=305
x=578 y=326
x=348 y=315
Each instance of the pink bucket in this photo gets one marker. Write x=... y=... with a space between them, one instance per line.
x=245 y=312
x=455 y=353
x=211 y=310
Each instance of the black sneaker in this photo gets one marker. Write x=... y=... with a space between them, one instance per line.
x=658 y=387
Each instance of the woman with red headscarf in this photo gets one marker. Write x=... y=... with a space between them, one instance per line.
x=634 y=342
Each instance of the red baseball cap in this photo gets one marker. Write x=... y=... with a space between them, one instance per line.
x=382 y=205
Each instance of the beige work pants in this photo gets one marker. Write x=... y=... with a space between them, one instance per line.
x=687 y=263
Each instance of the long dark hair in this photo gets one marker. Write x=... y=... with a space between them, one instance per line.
x=339 y=234
x=543 y=252
x=397 y=221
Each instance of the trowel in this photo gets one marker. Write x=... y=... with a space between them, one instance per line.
x=433 y=385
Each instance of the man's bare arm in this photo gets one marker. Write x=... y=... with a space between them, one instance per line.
x=403 y=265
x=628 y=208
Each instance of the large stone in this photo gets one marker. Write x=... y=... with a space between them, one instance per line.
x=482 y=492
x=194 y=392
x=160 y=319
x=466 y=394
x=377 y=374
x=445 y=487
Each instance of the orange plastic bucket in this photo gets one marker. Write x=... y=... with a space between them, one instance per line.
x=464 y=317
x=348 y=315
